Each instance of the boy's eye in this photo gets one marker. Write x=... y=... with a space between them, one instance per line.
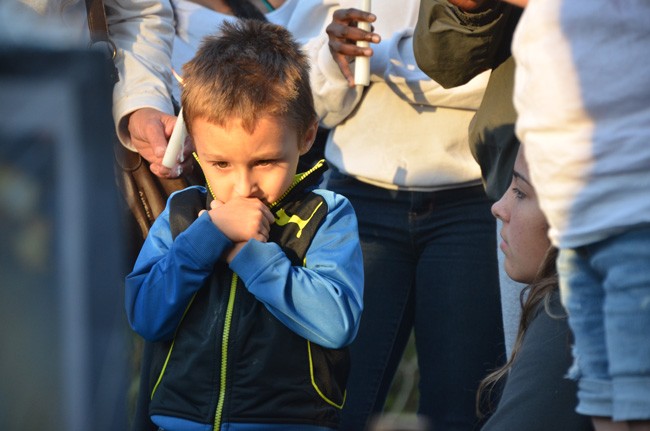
x=220 y=164
x=264 y=162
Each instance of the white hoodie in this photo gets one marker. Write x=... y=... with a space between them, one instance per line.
x=404 y=130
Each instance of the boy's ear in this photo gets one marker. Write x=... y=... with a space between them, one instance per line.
x=308 y=138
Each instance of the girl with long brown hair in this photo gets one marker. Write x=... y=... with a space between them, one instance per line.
x=535 y=395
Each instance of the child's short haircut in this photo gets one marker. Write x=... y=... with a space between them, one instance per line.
x=248 y=70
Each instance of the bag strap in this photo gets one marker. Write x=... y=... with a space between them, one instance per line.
x=98 y=28
x=239 y=8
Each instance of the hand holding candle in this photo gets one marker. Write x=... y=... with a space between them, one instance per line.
x=350 y=34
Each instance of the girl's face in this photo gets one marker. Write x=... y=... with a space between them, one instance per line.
x=524 y=230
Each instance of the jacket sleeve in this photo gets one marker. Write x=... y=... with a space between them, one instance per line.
x=333 y=99
x=322 y=300
x=452 y=46
x=168 y=273
x=143 y=32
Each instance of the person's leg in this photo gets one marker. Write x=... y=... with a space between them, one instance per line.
x=606 y=424
x=583 y=298
x=624 y=261
x=606 y=289
x=458 y=324
x=386 y=321
x=639 y=425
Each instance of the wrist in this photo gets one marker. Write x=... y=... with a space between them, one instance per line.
x=483 y=14
x=474 y=6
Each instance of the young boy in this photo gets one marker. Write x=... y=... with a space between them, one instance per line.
x=252 y=300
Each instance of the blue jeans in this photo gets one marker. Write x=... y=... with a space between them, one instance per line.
x=606 y=290
x=430 y=266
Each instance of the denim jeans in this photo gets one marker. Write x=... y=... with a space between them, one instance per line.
x=430 y=266
x=606 y=290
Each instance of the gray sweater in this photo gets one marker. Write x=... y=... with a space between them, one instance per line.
x=537 y=396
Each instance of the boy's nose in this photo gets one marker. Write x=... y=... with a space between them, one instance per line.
x=245 y=186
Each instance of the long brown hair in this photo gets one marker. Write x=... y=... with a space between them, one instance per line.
x=536 y=294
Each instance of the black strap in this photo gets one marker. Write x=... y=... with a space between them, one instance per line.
x=99 y=31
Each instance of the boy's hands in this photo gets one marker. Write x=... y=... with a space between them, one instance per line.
x=241 y=219
x=343 y=35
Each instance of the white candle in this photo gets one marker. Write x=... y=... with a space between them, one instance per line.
x=176 y=141
x=361 y=63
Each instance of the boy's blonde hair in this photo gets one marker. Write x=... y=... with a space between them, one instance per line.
x=250 y=69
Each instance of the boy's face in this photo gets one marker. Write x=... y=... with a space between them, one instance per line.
x=259 y=165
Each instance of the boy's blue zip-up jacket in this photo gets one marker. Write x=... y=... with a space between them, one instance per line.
x=259 y=341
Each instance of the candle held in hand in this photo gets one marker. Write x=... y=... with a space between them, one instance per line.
x=176 y=141
x=361 y=63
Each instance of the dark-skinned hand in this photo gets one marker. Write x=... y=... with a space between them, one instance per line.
x=343 y=35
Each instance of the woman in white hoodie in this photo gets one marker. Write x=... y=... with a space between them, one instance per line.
x=399 y=151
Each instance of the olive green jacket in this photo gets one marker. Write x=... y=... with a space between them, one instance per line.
x=452 y=47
